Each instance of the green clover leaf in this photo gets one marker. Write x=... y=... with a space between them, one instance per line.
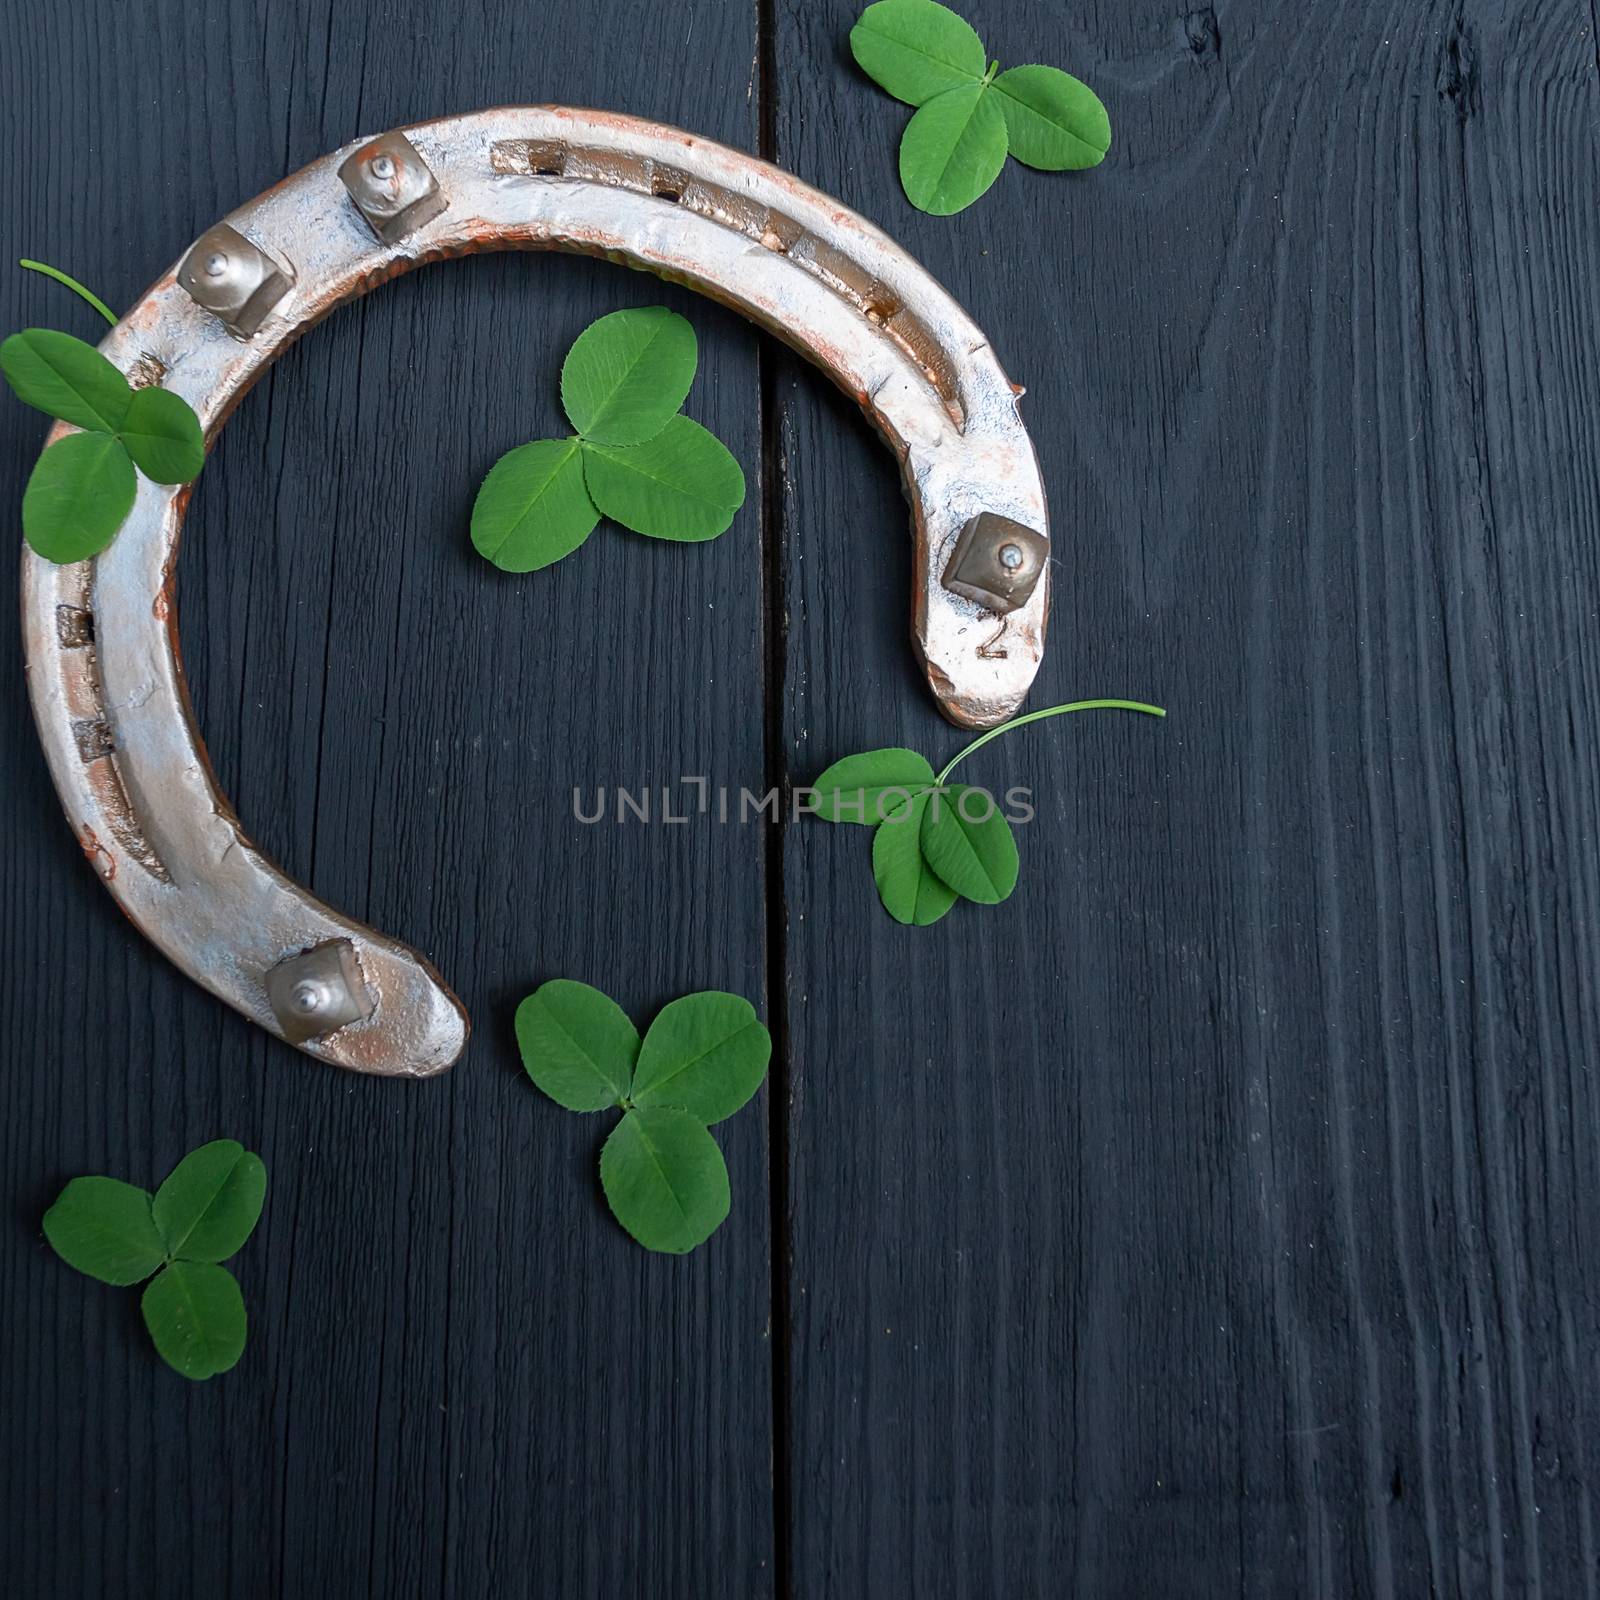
x=163 y=436
x=867 y=787
x=627 y=375
x=207 y=1208
x=705 y=1054
x=634 y=458
x=916 y=49
x=577 y=1045
x=104 y=1228
x=911 y=891
x=683 y=484
x=64 y=377
x=665 y=1179
x=1053 y=122
x=79 y=493
x=83 y=486
x=211 y=1202
x=533 y=507
x=968 y=844
x=196 y=1318
x=953 y=149
x=969 y=118
x=936 y=842
x=702 y=1058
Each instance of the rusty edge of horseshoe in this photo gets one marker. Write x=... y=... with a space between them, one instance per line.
x=101 y=636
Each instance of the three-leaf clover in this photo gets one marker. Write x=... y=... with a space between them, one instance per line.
x=702 y=1058
x=936 y=842
x=82 y=488
x=970 y=115
x=633 y=458
x=199 y=1217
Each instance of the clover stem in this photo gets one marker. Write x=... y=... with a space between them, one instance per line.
x=73 y=284
x=1039 y=716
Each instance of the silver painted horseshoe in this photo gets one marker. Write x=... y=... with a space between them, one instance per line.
x=101 y=636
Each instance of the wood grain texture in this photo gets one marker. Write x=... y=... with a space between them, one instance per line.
x=1218 y=1216
x=462 y=1377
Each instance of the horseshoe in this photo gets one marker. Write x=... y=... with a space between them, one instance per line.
x=101 y=636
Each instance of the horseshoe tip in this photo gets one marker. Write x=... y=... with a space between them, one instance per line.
x=982 y=714
x=382 y=1010
x=981 y=685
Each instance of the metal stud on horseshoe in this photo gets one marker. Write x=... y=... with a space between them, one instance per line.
x=101 y=636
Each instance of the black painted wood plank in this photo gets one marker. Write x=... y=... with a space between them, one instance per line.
x=1266 y=1266
x=462 y=1378
x=1217 y=1216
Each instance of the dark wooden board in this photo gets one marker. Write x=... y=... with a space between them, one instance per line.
x=1214 y=1218
x=1217 y=1217
x=462 y=1377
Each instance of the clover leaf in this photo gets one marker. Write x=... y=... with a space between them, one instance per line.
x=577 y=1045
x=969 y=845
x=936 y=842
x=911 y=891
x=211 y=1202
x=1053 y=122
x=953 y=149
x=702 y=1058
x=205 y=1211
x=78 y=494
x=633 y=458
x=683 y=484
x=705 y=1054
x=67 y=378
x=163 y=436
x=82 y=488
x=866 y=788
x=196 y=1317
x=916 y=49
x=533 y=507
x=627 y=375
x=104 y=1228
x=664 y=1179
x=968 y=116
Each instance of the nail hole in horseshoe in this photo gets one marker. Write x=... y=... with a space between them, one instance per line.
x=666 y=183
x=529 y=158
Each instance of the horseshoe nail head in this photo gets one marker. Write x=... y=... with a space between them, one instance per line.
x=233 y=279
x=318 y=991
x=392 y=186
x=100 y=637
x=996 y=563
